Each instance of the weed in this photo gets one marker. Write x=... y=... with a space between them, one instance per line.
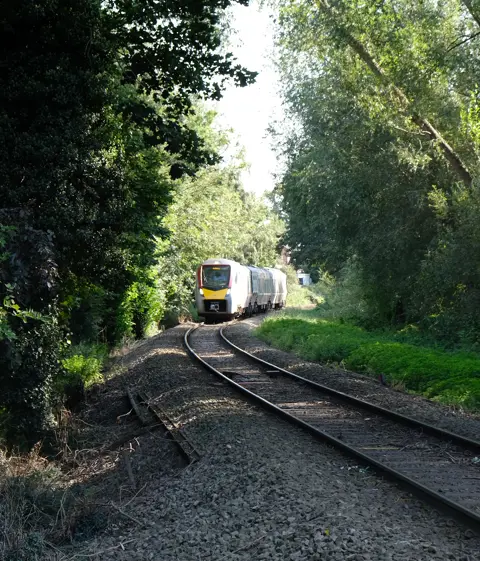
x=39 y=507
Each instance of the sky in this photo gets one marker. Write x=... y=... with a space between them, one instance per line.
x=250 y=110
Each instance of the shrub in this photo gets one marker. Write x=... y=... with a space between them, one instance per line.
x=344 y=298
x=140 y=309
x=299 y=296
x=29 y=363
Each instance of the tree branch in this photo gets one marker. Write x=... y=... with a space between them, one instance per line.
x=468 y=4
x=359 y=48
x=469 y=38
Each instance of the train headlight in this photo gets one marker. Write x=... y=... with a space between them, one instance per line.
x=200 y=290
x=228 y=292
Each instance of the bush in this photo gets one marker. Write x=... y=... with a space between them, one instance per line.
x=446 y=294
x=299 y=296
x=86 y=361
x=139 y=310
x=344 y=298
x=29 y=363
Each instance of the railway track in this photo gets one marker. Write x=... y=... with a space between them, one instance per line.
x=436 y=464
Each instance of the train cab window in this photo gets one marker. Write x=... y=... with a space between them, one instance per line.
x=215 y=277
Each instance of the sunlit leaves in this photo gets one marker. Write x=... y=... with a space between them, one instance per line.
x=212 y=216
x=364 y=181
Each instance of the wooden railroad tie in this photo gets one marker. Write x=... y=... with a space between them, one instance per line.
x=176 y=434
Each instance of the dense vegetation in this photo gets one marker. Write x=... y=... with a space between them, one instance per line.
x=112 y=187
x=381 y=188
x=103 y=146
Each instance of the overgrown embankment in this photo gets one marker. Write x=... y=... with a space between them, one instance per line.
x=404 y=358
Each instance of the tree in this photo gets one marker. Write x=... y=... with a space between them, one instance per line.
x=94 y=99
x=404 y=104
x=212 y=216
x=369 y=181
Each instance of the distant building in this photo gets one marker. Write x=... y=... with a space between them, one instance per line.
x=303 y=278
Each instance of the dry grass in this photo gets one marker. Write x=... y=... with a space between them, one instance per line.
x=38 y=508
x=19 y=509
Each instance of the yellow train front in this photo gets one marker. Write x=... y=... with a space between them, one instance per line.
x=225 y=289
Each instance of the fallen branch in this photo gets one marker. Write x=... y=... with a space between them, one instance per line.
x=128 y=465
x=121 y=441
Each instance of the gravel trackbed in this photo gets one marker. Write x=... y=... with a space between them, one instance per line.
x=262 y=490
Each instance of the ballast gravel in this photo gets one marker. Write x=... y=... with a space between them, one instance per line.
x=359 y=385
x=262 y=490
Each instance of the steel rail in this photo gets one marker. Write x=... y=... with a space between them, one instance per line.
x=410 y=421
x=466 y=515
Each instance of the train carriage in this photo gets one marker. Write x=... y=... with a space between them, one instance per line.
x=226 y=289
x=279 y=287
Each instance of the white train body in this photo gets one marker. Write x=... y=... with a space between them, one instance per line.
x=225 y=289
x=279 y=280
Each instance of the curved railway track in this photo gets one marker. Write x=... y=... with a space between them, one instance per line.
x=437 y=464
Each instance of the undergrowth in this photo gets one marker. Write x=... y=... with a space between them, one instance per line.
x=86 y=362
x=82 y=367
x=302 y=296
x=406 y=358
x=38 y=510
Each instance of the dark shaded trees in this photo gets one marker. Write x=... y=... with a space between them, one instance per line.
x=93 y=100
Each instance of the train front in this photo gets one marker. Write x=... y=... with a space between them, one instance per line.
x=213 y=293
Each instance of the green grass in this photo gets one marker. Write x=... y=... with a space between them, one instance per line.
x=406 y=358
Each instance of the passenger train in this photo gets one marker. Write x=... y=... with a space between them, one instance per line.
x=226 y=290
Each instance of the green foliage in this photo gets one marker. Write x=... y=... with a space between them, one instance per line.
x=299 y=296
x=140 y=310
x=86 y=368
x=317 y=340
x=449 y=377
x=447 y=294
x=372 y=194
x=96 y=104
x=212 y=216
x=344 y=297
x=82 y=366
x=10 y=309
x=29 y=364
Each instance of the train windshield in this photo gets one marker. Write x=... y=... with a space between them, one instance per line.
x=215 y=277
